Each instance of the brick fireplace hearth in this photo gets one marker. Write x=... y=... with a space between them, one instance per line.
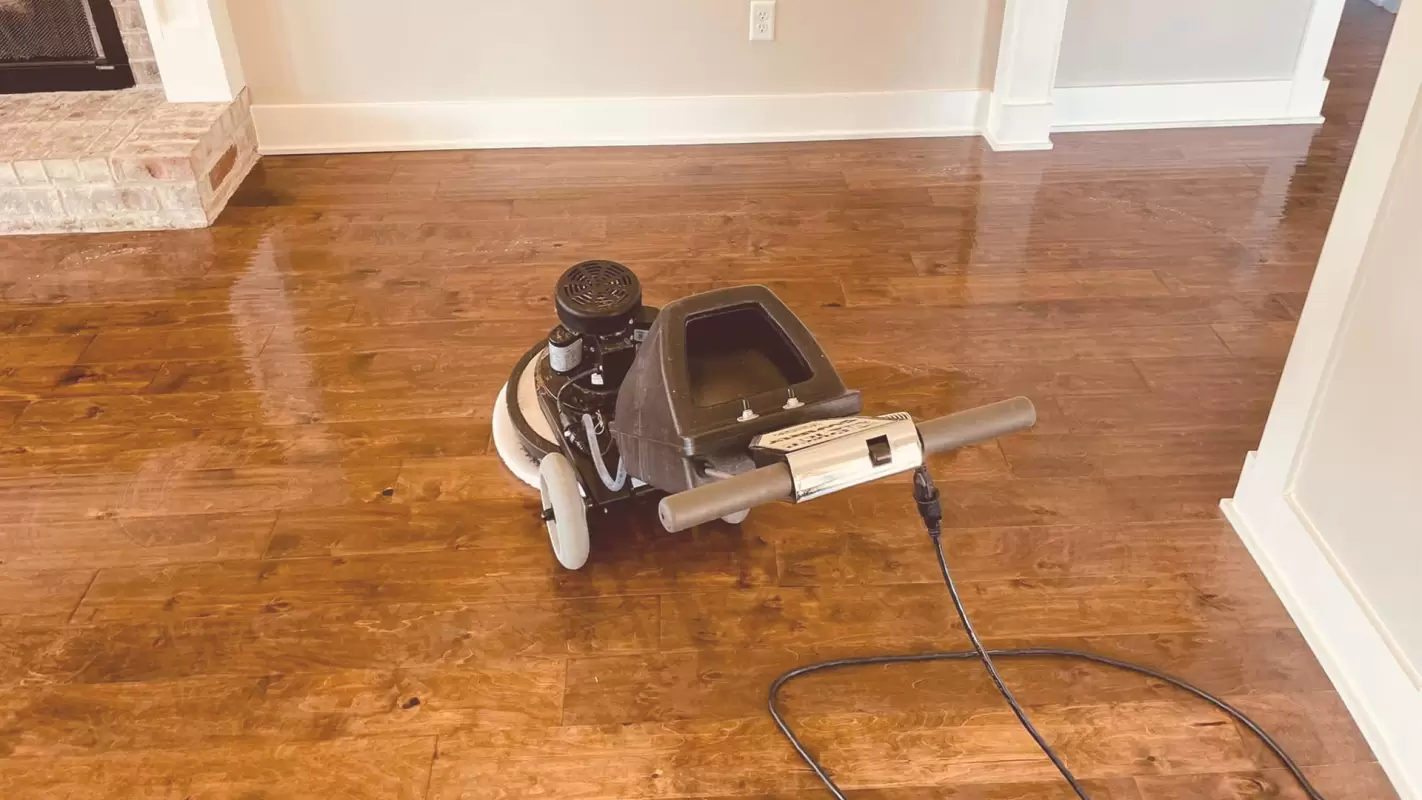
x=120 y=160
x=109 y=161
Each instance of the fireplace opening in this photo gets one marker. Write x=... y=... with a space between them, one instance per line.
x=61 y=46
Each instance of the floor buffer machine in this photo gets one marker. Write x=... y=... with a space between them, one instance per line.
x=716 y=403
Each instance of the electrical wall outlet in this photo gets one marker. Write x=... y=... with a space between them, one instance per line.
x=762 y=20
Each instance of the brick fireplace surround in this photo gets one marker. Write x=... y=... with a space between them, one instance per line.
x=135 y=40
x=126 y=160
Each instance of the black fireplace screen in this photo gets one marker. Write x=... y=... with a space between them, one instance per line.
x=60 y=45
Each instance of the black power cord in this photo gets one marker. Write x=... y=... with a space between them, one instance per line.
x=926 y=496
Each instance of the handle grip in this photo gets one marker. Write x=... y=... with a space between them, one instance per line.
x=760 y=486
x=976 y=425
x=724 y=497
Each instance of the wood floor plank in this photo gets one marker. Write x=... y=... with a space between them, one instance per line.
x=11 y=409
x=717 y=558
x=42 y=594
x=908 y=616
x=1172 y=412
x=1344 y=780
x=1231 y=374
x=357 y=528
x=114 y=542
x=1314 y=727
x=729 y=683
x=1259 y=278
x=1121 y=453
x=71 y=719
x=75 y=318
x=59 y=350
x=967 y=383
x=688 y=759
x=180 y=483
x=209 y=307
x=369 y=636
x=859 y=332
x=227 y=410
x=363 y=768
x=1257 y=339
x=1081 y=312
x=722 y=200
x=1003 y=287
x=106 y=449
x=218 y=341
x=1293 y=302
x=899 y=552
x=79 y=379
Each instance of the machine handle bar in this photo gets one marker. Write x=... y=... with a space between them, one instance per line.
x=760 y=486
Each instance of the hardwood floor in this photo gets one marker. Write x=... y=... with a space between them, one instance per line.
x=255 y=542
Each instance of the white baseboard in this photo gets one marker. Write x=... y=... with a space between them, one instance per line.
x=1018 y=125
x=579 y=122
x=361 y=127
x=1376 y=688
x=1187 y=105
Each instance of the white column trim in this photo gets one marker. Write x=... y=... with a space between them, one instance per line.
x=1310 y=87
x=195 y=50
x=1020 y=110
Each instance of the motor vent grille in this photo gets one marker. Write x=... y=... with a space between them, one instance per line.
x=598 y=296
x=600 y=285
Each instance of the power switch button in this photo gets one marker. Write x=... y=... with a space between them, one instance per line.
x=879 y=451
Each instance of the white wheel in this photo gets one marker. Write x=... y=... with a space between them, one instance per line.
x=736 y=518
x=568 y=520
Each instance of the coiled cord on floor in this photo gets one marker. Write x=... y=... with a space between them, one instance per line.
x=930 y=509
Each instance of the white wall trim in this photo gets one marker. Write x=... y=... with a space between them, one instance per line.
x=195 y=50
x=558 y=122
x=1296 y=100
x=577 y=122
x=1180 y=105
x=1019 y=125
x=1317 y=45
x=1020 y=109
x=1372 y=682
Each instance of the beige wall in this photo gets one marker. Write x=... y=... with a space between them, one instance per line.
x=1115 y=42
x=1359 y=474
x=354 y=51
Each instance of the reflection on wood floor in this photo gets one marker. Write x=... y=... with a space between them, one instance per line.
x=255 y=542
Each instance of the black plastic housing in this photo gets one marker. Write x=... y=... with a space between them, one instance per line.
x=705 y=360
x=598 y=298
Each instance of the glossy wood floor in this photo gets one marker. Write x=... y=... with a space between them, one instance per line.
x=255 y=544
